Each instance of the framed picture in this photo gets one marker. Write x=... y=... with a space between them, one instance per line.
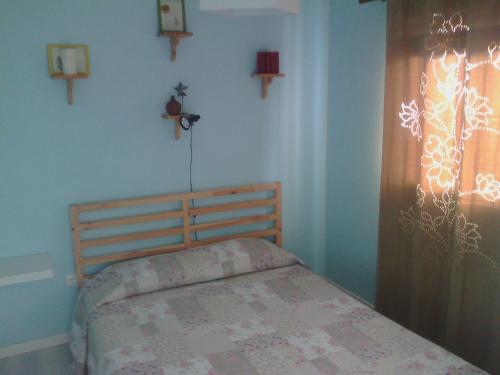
x=171 y=15
x=68 y=59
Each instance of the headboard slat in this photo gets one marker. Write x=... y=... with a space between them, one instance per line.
x=138 y=236
x=96 y=260
x=254 y=234
x=231 y=206
x=185 y=230
x=139 y=219
x=233 y=222
x=123 y=203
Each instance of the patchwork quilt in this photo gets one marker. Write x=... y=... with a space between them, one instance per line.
x=242 y=307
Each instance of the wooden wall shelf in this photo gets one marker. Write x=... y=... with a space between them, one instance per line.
x=175 y=37
x=177 y=121
x=25 y=268
x=267 y=79
x=69 y=82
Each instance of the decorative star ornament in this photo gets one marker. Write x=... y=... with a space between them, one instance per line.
x=181 y=90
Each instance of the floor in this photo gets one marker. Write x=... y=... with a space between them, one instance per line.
x=50 y=361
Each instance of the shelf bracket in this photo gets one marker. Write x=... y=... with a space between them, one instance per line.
x=177 y=121
x=178 y=128
x=266 y=80
x=69 y=89
x=69 y=82
x=174 y=42
x=175 y=38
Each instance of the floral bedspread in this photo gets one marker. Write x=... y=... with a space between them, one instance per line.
x=240 y=307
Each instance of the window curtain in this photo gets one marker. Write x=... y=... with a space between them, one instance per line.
x=439 y=242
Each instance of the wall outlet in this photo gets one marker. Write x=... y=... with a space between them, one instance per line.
x=70 y=280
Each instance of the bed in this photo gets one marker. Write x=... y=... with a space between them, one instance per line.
x=227 y=303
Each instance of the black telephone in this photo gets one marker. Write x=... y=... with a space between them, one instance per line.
x=187 y=121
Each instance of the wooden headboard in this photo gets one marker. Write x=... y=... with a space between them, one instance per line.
x=80 y=229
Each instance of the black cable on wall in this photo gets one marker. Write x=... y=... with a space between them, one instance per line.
x=193 y=222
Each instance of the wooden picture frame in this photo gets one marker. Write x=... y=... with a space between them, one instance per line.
x=171 y=15
x=54 y=52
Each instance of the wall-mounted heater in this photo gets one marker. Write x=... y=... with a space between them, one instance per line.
x=250 y=7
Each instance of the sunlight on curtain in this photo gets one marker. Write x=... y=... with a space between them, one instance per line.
x=453 y=113
x=439 y=256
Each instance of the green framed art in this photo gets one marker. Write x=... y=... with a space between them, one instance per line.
x=56 y=54
x=171 y=15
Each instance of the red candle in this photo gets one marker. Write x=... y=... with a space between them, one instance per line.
x=261 y=62
x=275 y=62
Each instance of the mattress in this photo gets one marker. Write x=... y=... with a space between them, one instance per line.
x=238 y=307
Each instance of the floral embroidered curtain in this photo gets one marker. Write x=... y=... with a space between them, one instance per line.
x=439 y=243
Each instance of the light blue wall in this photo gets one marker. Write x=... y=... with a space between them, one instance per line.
x=112 y=142
x=357 y=67
x=303 y=119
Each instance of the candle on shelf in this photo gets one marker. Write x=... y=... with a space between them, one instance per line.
x=261 y=62
x=275 y=62
x=68 y=59
x=268 y=62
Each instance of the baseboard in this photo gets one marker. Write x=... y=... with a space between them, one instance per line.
x=29 y=346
